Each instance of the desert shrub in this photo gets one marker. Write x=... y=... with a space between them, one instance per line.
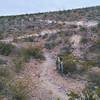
x=72 y=95
x=83 y=29
x=98 y=91
x=18 y=95
x=88 y=64
x=12 y=89
x=87 y=94
x=70 y=63
x=5 y=76
x=62 y=34
x=19 y=90
x=3 y=88
x=16 y=89
x=33 y=52
x=6 y=49
x=5 y=72
x=18 y=64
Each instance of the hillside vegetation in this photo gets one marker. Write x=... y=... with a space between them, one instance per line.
x=31 y=23
x=51 y=56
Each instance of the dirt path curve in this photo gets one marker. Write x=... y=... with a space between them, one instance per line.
x=54 y=82
x=47 y=83
x=46 y=78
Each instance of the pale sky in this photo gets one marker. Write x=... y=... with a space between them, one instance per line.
x=14 y=7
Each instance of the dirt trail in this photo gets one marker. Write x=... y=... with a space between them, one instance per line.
x=47 y=83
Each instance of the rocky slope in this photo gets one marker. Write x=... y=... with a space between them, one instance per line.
x=31 y=23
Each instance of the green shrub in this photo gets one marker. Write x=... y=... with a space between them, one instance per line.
x=72 y=95
x=18 y=64
x=6 y=49
x=61 y=34
x=88 y=64
x=98 y=91
x=69 y=66
x=33 y=52
x=83 y=29
x=16 y=89
x=19 y=90
x=13 y=89
x=3 y=89
x=70 y=63
x=5 y=77
x=5 y=72
x=87 y=94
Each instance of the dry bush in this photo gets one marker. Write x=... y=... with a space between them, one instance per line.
x=5 y=49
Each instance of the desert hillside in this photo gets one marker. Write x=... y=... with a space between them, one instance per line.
x=28 y=23
x=50 y=56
